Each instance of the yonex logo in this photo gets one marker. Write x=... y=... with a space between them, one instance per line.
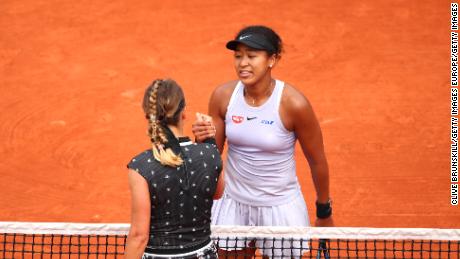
x=267 y=122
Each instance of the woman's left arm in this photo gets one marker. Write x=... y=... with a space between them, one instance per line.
x=140 y=216
x=308 y=132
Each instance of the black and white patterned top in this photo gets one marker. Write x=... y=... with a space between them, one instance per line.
x=181 y=197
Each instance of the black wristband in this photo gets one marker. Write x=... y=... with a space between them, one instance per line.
x=323 y=210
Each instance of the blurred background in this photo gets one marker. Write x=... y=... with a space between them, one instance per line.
x=73 y=76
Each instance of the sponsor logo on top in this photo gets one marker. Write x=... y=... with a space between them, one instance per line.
x=237 y=119
x=267 y=122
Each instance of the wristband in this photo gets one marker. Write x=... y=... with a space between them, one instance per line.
x=323 y=210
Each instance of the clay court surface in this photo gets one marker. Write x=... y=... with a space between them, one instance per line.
x=73 y=75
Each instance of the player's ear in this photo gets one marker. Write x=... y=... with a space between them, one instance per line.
x=272 y=60
x=184 y=113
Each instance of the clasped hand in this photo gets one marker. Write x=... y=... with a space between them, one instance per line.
x=203 y=127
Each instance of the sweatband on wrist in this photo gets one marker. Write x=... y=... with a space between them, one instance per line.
x=323 y=210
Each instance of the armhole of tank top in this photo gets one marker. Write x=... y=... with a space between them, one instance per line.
x=279 y=94
x=234 y=96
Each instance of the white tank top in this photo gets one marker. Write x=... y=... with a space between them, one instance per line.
x=260 y=168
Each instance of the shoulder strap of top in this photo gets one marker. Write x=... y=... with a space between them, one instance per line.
x=234 y=94
x=279 y=86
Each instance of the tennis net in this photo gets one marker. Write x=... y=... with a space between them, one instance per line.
x=72 y=240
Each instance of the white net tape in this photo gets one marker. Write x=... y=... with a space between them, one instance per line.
x=243 y=231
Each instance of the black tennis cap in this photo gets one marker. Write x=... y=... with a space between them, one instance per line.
x=252 y=40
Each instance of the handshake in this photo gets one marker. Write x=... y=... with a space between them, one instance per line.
x=203 y=117
x=203 y=128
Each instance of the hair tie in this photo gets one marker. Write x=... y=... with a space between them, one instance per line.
x=172 y=141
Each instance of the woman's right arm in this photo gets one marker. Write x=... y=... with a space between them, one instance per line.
x=217 y=112
x=138 y=235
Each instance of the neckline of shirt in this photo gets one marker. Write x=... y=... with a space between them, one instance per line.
x=265 y=104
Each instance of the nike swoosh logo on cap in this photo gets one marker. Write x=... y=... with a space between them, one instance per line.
x=244 y=37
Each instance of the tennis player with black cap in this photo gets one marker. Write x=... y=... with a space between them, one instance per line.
x=252 y=40
x=262 y=118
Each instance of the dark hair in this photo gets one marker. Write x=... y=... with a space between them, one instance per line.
x=163 y=102
x=273 y=38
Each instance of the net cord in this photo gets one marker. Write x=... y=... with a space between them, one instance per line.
x=49 y=228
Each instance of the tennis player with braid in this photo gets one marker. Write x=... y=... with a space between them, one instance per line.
x=262 y=118
x=172 y=184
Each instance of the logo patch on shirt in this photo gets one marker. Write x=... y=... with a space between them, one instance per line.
x=251 y=118
x=267 y=122
x=237 y=119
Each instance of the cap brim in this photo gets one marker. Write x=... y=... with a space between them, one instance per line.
x=233 y=44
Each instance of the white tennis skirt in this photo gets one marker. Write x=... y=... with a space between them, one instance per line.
x=227 y=211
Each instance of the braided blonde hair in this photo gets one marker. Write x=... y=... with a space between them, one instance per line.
x=161 y=103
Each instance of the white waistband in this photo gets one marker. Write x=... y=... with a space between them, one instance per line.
x=183 y=254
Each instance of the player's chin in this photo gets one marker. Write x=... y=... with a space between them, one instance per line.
x=247 y=80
